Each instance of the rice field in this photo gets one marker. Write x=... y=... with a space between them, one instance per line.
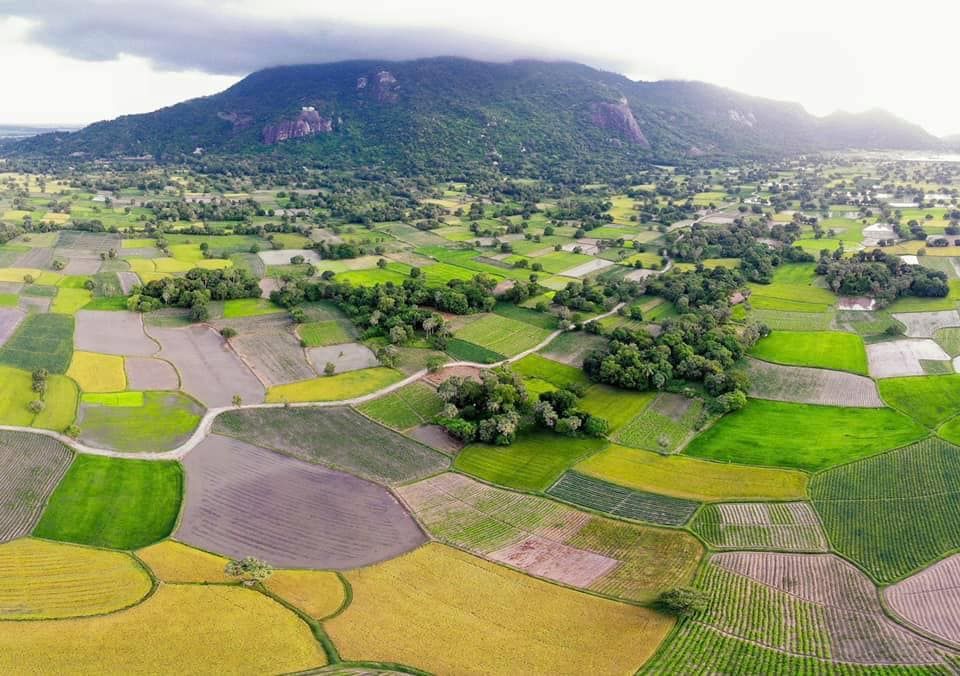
x=502 y=335
x=338 y=387
x=412 y=405
x=172 y=561
x=930 y=600
x=602 y=496
x=97 y=372
x=816 y=349
x=930 y=400
x=664 y=425
x=777 y=526
x=811 y=386
x=41 y=341
x=138 y=421
x=470 y=616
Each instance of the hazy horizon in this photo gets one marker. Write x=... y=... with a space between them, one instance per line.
x=127 y=57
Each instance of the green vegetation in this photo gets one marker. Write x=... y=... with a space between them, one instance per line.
x=803 y=436
x=248 y=307
x=160 y=421
x=603 y=496
x=931 y=400
x=664 y=425
x=42 y=341
x=323 y=333
x=407 y=407
x=120 y=504
x=817 y=349
x=502 y=334
x=555 y=373
x=461 y=350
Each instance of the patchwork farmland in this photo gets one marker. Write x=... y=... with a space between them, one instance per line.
x=519 y=438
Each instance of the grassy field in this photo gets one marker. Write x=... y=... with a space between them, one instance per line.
x=319 y=334
x=68 y=300
x=893 y=513
x=930 y=400
x=470 y=616
x=336 y=387
x=41 y=341
x=533 y=462
x=664 y=425
x=461 y=350
x=120 y=504
x=249 y=307
x=16 y=393
x=690 y=478
x=162 y=421
x=97 y=372
x=818 y=349
x=154 y=637
x=502 y=334
x=616 y=406
x=792 y=290
x=555 y=373
x=802 y=436
x=407 y=407
x=48 y=580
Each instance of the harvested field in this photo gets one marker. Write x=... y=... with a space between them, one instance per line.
x=119 y=333
x=473 y=617
x=856 y=303
x=82 y=265
x=436 y=437
x=551 y=540
x=926 y=324
x=31 y=466
x=31 y=304
x=780 y=526
x=902 y=357
x=41 y=341
x=209 y=369
x=813 y=605
x=37 y=257
x=948 y=339
x=119 y=504
x=10 y=319
x=144 y=373
x=346 y=357
x=272 y=352
x=412 y=405
x=930 y=600
x=337 y=437
x=871 y=509
x=243 y=500
x=128 y=280
x=88 y=241
x=811 y=386
x=42 y=580
x=283 y=256
x=181 y=628
x=603 y=496
x=685 y=477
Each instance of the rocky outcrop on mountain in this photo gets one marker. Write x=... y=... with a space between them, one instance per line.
x=617 y=117
x=240 y=121
x=307 y=123
x=383 y=86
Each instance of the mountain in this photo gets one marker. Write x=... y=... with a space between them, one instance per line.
x=442 y=113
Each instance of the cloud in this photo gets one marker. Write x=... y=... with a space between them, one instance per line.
x=179 y=36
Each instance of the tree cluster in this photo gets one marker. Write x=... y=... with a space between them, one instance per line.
x=880 y=276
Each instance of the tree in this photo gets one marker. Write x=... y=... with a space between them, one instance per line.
x=237 y=400
x=683 y=602
x=435 y=363
x=228 y=332
x=389 y=356
x=249 y=569
x=329 y=369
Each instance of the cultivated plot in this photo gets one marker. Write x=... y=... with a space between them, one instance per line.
x=780 y=526
x=118 y=333
x=926 y=324
x=603 y=496
x=138 y=421
x=271 y=350
x=811 y=386
x=41 y=341
x=337 y=437
x=209 y=369
x=10 y=319
x=247 y=501
x=903 y=357
x=930 y=600
x=551 y=540
x=31 y=466
x=144 y=373
x=345 y=357
x=474 y=617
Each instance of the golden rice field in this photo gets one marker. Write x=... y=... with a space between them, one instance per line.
x=96 y=372
x=685 y=477
x=47 y=580
x=336 y=387
x=181 y=629
x=175 y=562
x=315 y=592
x=445 y=611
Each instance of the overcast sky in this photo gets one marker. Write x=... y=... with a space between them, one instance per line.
x=78 y=61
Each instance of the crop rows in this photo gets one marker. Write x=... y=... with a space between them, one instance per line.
x=604 y=496
x=811 y=385
x=500 y=524
x=896 y=512
x=931 y=599
x=407 y=407
x=31 y=465
x=41 y=341
x=785 y=526
x=663 y=426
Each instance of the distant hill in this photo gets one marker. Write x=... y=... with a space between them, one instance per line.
x=526 y=116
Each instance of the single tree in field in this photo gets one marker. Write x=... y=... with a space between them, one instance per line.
x=249 y=569
x=330 y=368
x=228 y=332
x=237 y=400
x=683 y=601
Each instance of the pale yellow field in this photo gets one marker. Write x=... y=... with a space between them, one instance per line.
x=317 y=593
x=45 y=580
x=96 y=372
x=181 y=629
x=684 y=477
x=336 y=387
x=448 y=612
x=175 y=562
x=17 y=274
x=68 y=301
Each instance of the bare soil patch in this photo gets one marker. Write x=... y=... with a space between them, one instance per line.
x=35 y=303
x=346 y=357
x=110 y=332
x=930 y=600
x=445 y=374
x=436 y=437
x=10 y=319
x=268 y=285
x=128 y=280
x=35 y=258
x=209 y=369
x=925 y=324
x=283 y=256
x=83 y=265
x=902 y=357
x=555 y=561
x=811 y=386
x=586 y=268
x=856 y=303
x=144 y=373
x=242 y=500
x=31 y=466
x=269 y=347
